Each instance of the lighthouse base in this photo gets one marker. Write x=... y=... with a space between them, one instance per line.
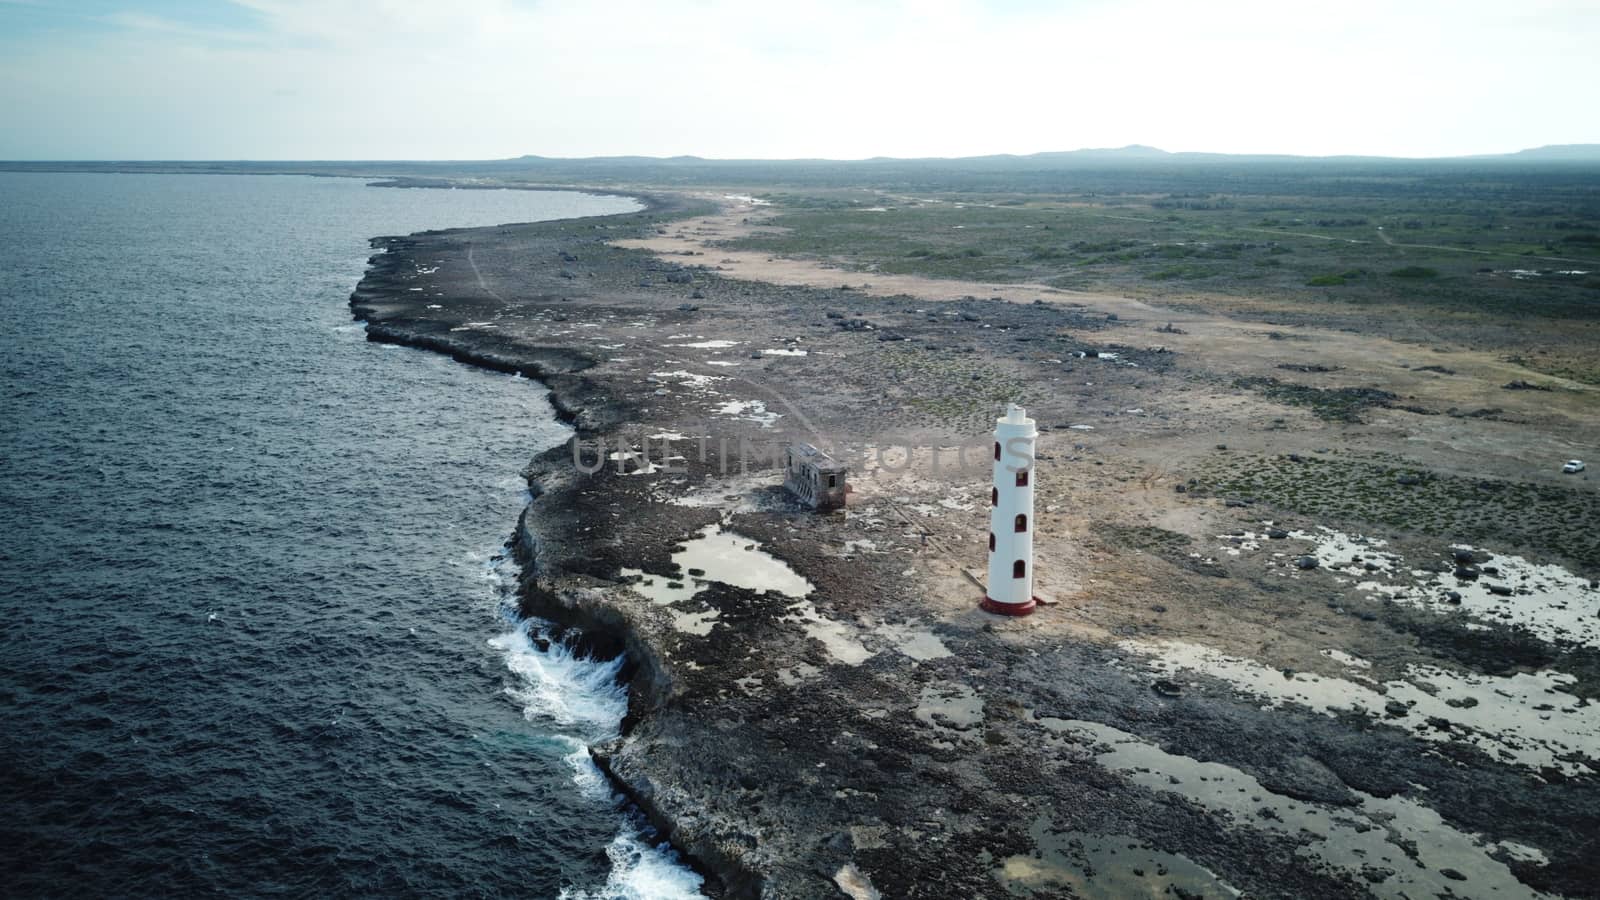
x=989 y=604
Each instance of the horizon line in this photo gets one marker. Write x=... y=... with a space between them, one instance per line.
x=1142 y=152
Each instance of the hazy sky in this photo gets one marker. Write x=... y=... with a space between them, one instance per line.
x=474 y=79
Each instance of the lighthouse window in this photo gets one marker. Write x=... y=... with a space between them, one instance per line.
x=994 y=496
x=996 y=449
x=1019 y=569
x=991 y=542
x=833 y=481
x=1022 y=523
x=1022 y=478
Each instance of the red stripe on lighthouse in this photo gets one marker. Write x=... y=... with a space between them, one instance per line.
x=990 y=604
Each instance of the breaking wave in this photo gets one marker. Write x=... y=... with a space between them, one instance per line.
x=581 y=697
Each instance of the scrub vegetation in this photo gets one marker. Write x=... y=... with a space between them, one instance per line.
x=1477 y=259
x=1394 y=495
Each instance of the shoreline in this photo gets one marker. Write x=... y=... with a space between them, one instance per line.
x=880 y=734
x=604 y=632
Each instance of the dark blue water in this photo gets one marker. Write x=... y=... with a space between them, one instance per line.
x=253 y=637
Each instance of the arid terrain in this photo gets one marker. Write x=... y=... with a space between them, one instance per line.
x=1322 y=614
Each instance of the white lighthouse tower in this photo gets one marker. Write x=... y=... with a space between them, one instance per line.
x=1010 y=590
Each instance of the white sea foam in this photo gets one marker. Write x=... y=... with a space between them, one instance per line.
x=581 y=696
x=586 y=775
x=641 y=871
x=558 y=686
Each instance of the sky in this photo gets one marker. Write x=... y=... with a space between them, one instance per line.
x=843 y=79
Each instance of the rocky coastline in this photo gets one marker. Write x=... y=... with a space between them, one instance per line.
x=876 y=735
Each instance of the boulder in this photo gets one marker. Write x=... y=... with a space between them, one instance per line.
x=1308 y=779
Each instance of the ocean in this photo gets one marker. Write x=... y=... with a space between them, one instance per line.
x=258 y=636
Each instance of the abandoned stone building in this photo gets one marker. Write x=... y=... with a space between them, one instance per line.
x=814 y=478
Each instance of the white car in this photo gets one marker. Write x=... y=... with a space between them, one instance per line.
x=1573 y=467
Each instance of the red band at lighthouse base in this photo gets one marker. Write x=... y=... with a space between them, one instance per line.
x=1024 y=608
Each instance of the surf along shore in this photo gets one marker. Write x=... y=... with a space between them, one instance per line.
x=819 y=709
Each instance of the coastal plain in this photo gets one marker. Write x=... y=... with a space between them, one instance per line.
x=1321 y=612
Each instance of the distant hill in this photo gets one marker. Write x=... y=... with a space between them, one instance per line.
x=1130 y=152
x=1136 y=168
x=1133 y=155
x=1557 y=152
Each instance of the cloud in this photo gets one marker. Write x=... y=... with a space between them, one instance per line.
x=150 y=25
x=491 y=78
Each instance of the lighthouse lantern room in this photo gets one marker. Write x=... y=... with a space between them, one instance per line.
x=1011 y=524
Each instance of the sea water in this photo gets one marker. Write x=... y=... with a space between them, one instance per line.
x=257 y=636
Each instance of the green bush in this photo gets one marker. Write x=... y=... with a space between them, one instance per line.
x=1172 y=272
x=1415 y=272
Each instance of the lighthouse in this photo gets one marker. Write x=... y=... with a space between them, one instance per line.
x=1010 y=590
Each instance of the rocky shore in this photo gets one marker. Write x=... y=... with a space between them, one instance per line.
x=818 y=708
